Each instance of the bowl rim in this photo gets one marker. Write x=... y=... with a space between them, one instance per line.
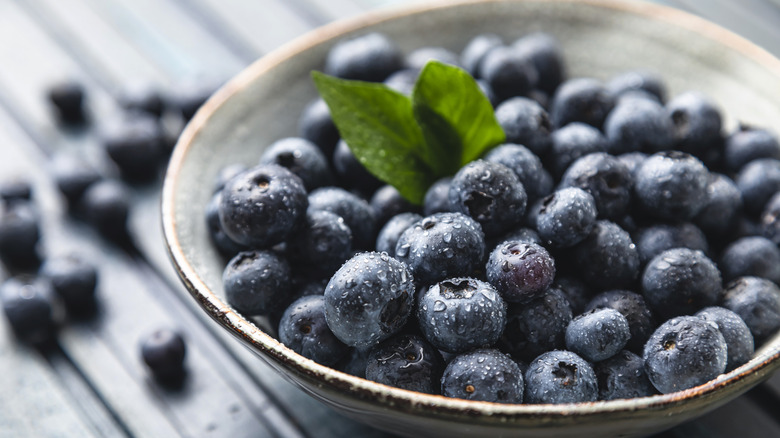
x=751 y=373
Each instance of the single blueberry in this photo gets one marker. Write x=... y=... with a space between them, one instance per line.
x=641 y=321
x=408 y=362
x=526 y=165
x=581 y=100
x=73 y=175
x=134 y=141
x=623 y=376
x=303 y=329
x=520 y=271
x=671 y=185
x=638 y=125
x=571 y=142
x=757 y=302
x=526 y=123
x=370 y=57
x=607 y=258
x=597 y=334
x=738 y=338
x=389 y=234
x=507 y=73
x=301 y=157
x=20 y=231
x=748 y=144
x=316 y=125
x=722 y=206
x=257 y=282
x=74 y=279
x=484 y=375
x=67 y=98
x=606 y=179
x=322 y=243
x=536 y=327
x=106 y=204
x=28 y=307
x=697 y=123
x=163 y=351
x=357 y=213
x=566 y=217
x=758 y=181
x=560 y=376
x=475 y=51
x=655 y=239
x=546 y=55
x=751 y=256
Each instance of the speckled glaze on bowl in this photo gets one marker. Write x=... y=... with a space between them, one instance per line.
x=600 y=39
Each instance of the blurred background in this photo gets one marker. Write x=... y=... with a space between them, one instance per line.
x=166 y=57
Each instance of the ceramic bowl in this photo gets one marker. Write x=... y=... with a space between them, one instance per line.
x=600 y=39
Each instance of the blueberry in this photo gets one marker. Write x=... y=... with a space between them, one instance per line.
x=757 y=302
x=20 y=231
x=607 y=258
x=67 y=98
x=15 y=190
x=757 y=182
x=484 y=375
x=684 y=352
x=460 y=314
x=680 y=281
x=441 y=246
x=301 y=157
x=303 y=329
x=437 y=197
x=74 y=279
x=671 y=185
x=536 y=327
x=351 y=173
x=566 y=217
x=581 y=100
x=525 y=122
x=623 y=376
x=134 y=142
x=142 y=97
x=734 y=330
x=226 y=174
x=606 y=179
x=560 y=376
x=224 y=244
x=369 y=299
x=577 y=293
x=655 y=239
x=751 y=256
x=697 y=123
x=357 y=213
x=322 y=243
x=546 y=55
x=316 y=125
x=106 y=204
x=257 y=282
x=770 y=219
x=638 y=125
x=73 y=175
x=638 y=81
x=163 y=351
x=722 y=206
x=597 y=334
x=403 y=81
x=419 y=57
x=407 y=362
x=475 y=51
x=641 y=322
x=354 y=362
x=526 y=165
x=389 y=234
x=571 y=142
x=371 y=57
x=507 y=73
x=262 y=206
x=749 y=144
x=27 y=303
x=520 y=271
x=632 y=160
x=388 y=202
x=490 y=193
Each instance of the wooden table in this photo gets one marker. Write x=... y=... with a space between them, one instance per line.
x=93 y=382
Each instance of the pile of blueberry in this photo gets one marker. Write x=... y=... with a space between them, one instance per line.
x=618 y=245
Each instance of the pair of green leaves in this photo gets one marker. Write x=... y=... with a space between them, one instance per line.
x=410 y=142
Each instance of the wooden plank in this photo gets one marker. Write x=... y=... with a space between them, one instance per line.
x=331 y=10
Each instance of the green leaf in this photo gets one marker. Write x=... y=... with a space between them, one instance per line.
x=443 y=146
x=454 y=95
x=378 y=125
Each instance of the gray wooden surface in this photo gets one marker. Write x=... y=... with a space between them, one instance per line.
x=93 y=382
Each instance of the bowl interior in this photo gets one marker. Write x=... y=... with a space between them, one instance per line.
x=600 y=39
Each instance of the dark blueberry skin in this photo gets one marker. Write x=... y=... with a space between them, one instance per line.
x=684 y=352
x=226 y=174
x=571 y=142
x=142 y=97
x=369 y=299
x=224 y=244
x=262 y=206
x=67 y=99
x=507 y=73
x=526 y=123
x=15 y=190
x=632 y=160
x=354 y=363
x=581 y=100
x=597 y=334
x=671 y=185
x=606 y=178
x=536 y=327
x=441 y=246
x=722 y=207
x=322 y=244
x=357 y=213
x=316 y=125
x=520 y=271
x=749 y=144
x=304 y=330
x=490 y=193
x=20 y=232
x=641 y=322
x=734 y=330
x=437 y=198
x=697 y=123
x=351 y=173
x=560 y=376
x=757 y=302
x=607 y=258
x=301 y=157
x=546 y=56
x=758 y=181
x=521 y=234
x=623 y=376
x=403 y=81
x=417 y=58
x=680 y=281
x=388 y=236
x=73 y=175
x=134 y=142
x=388 y=202
x=526 y=165
x=638 y=125
x=460 y=314
x=371 y=57
x=475 y=51
x=257 y=282
x=484 y=375
x=106 y=205
x=770 y=219
x=163 y=351
x=28 y=307
x=655 y=239
x=575 y=290
x=566 y=217
x=638 y=81
x=754 y=256
x=74 y=279
x=408 y=362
